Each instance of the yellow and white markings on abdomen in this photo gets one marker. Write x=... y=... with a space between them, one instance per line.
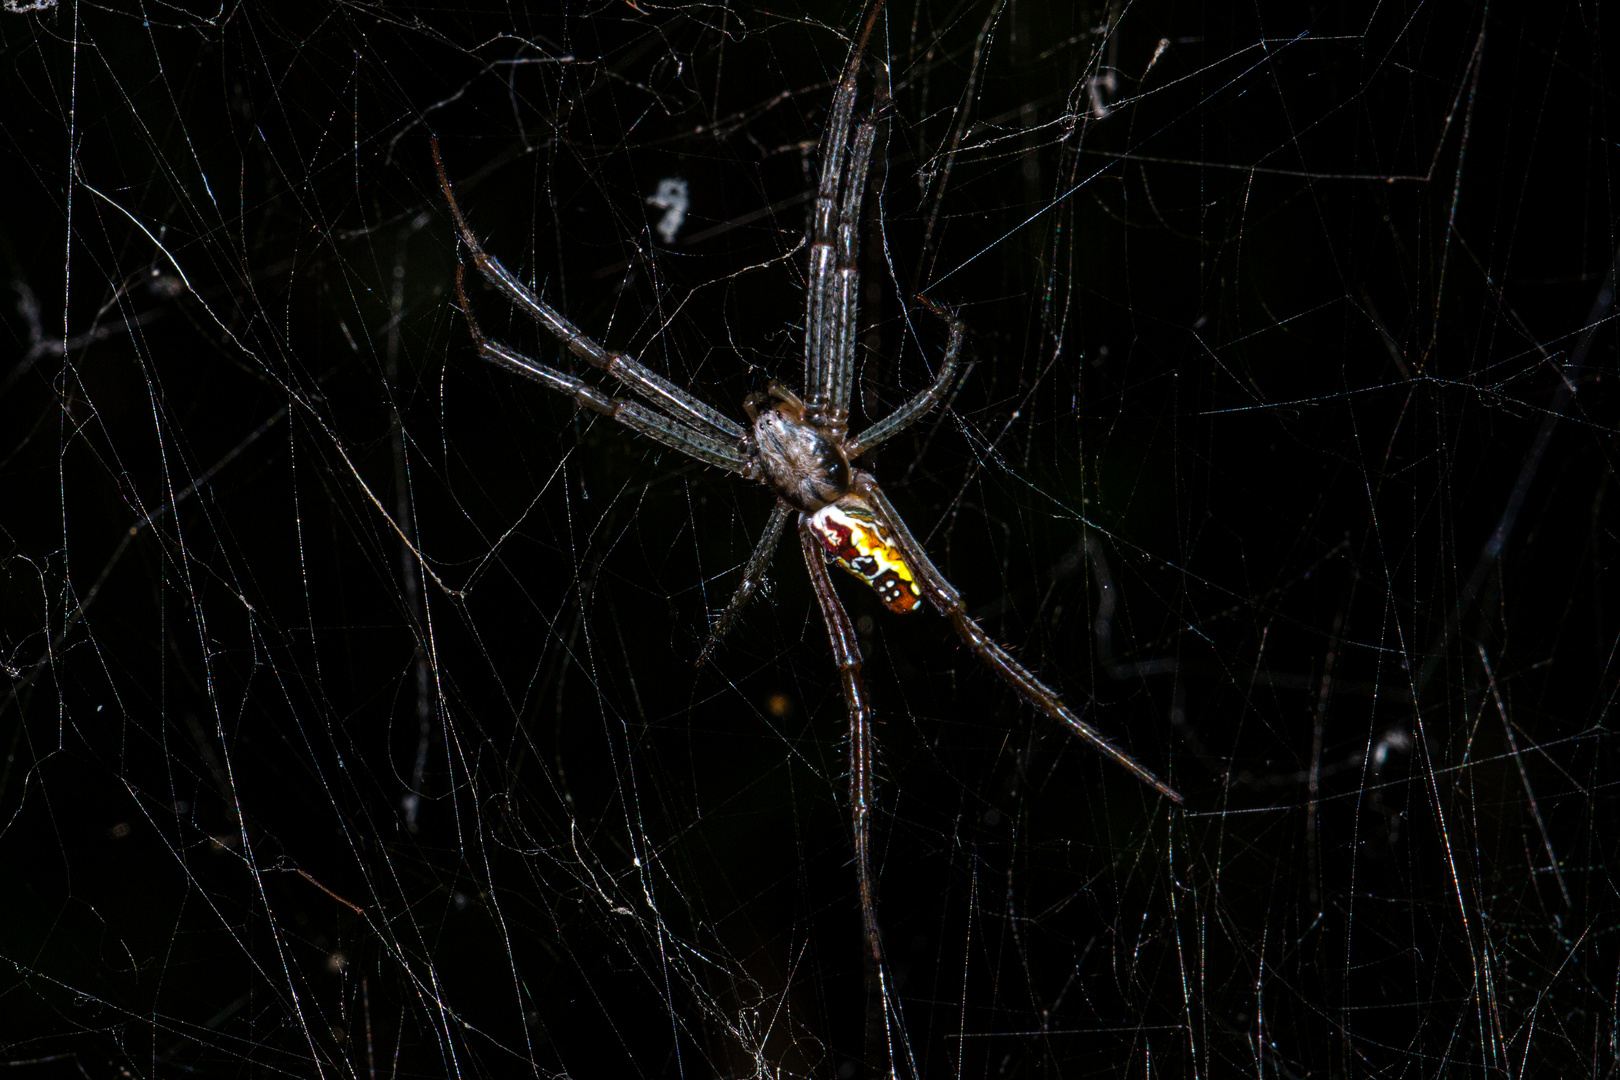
x=858 y=542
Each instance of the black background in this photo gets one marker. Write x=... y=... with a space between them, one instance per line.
x=1285 y=447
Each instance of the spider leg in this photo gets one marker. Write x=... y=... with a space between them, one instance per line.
x=945 y=597
x=689 y=441
x=753 y=574
x=821 y=305
x=846 y=300
x=834 y=293
x=642 y=380
x=847 y=655
x=917 y=407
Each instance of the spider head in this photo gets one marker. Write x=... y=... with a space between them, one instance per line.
x=805 y=465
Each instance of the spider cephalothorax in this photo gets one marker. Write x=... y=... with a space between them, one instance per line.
x=803 y=464
x=800 y=448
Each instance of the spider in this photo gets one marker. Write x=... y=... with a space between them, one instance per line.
x=799 y=447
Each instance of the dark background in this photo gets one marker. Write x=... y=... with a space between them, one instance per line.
x=351 y=726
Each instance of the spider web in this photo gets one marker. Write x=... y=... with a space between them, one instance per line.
x=351 y=723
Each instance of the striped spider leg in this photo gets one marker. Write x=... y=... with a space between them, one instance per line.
x=675 y=418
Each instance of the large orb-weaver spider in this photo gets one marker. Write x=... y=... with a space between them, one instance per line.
x=801 y=449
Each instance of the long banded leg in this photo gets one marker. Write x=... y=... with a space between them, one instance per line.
x=821 y=304
x=753 y=574
x=949 y=602
x=667 y=430
x=828 y=305
x=642 y=380
x=847 y=290
x=919 y=406
x=847 y=654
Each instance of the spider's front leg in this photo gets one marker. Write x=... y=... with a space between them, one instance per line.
x=695 y=444
x=924 y=402
x=670 y=404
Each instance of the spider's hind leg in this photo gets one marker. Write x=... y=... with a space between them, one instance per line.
x=847 y=655
x=944 y=596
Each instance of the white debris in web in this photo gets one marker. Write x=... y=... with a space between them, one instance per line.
x=672 y=198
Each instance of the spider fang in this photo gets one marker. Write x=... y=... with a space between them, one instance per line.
x=856 y=540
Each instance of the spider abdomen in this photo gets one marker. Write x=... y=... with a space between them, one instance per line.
x=857 y=540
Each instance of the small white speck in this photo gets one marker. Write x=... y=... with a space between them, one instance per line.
x=672 y=198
